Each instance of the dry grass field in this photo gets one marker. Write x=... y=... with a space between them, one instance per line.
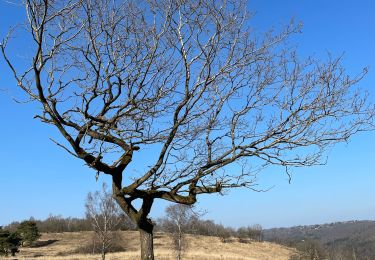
x=63 y=245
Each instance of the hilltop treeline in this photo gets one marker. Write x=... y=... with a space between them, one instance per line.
x=196 y=226
x=59 y=224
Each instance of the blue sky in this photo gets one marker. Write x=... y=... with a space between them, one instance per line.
x=38 y=178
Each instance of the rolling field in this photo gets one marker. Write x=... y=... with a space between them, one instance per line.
x=66 y=245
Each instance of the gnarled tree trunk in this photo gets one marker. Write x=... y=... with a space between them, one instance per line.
x=144 y=224
x=147 y=240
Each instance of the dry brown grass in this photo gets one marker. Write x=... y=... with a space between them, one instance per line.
x=200 y=248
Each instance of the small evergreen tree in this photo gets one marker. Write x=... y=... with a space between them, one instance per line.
x=9 y=242
x=29 y=232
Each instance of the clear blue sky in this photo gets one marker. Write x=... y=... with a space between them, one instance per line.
x=38 y=178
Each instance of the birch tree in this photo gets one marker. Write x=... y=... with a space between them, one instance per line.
x=104 y=215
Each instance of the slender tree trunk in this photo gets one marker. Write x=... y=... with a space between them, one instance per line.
x=179 y=250
x=103 y=250
x=354 y=254
x=147 y=241
x=179 y=242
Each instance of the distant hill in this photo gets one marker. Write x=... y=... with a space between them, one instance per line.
x=354 y=239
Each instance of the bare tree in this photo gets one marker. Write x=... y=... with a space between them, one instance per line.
x=309 y=250
x=257 y=233
x=104 y=215
x=246 y=234
x=189 y=81
x=178 y=223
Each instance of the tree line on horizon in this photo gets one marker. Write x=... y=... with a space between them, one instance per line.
x=196 y=225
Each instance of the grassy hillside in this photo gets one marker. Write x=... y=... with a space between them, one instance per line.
x=66 y=245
